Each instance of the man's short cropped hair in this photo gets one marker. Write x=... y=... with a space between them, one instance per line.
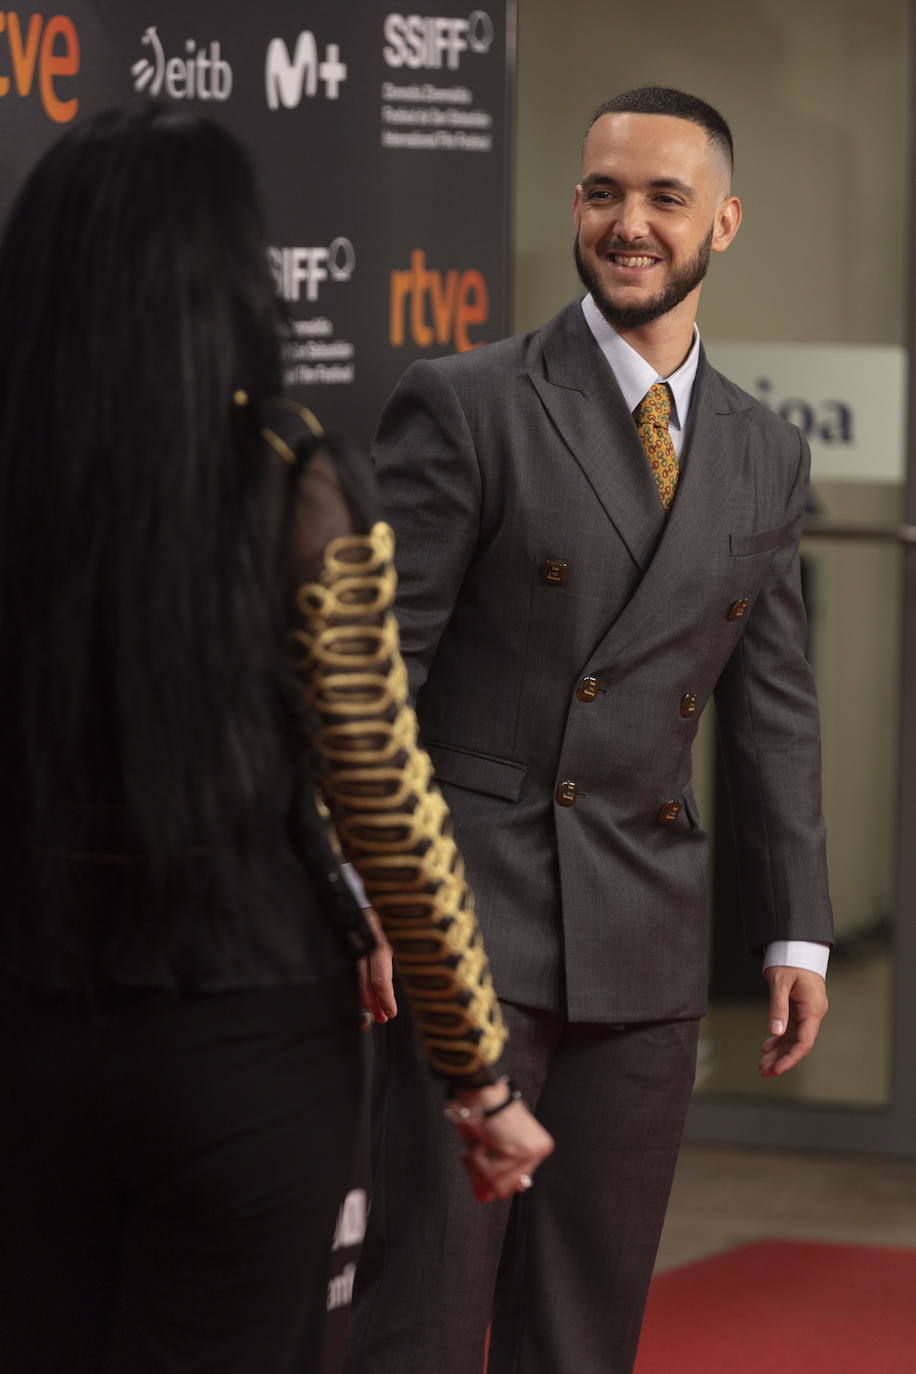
x=664 y=100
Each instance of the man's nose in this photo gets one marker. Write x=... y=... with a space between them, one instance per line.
x=631 y=222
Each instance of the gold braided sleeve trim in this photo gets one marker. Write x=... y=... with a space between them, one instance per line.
x=392 y=821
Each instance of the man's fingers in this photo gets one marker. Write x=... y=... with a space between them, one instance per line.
x=781 y=1053
x=779 y=1011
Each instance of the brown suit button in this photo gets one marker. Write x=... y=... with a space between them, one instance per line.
x=566 y=793
x=669 y=812
x=689 y=704
x=737 y=609
x=555 y=573
x=587 y=689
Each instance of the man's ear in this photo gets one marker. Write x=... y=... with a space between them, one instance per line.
x=577 y=204
x=725 y=225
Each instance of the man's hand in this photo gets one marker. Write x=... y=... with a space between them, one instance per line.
x=376 y=989
x=798 y=1005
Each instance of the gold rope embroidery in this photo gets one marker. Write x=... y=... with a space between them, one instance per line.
x=272 y=438
x=391 y=819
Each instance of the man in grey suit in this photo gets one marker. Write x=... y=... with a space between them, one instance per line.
x=580 y=571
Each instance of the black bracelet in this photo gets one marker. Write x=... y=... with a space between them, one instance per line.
x=514 y=1095
x=456 y=1112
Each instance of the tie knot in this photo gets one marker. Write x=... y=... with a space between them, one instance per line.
x=655 y=406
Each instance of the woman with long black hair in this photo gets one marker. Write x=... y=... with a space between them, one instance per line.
x=195 y=599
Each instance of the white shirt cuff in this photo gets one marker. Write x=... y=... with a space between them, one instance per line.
x=355 y=883
x=798 y=954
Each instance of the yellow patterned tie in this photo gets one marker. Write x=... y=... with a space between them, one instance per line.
x=652 y=415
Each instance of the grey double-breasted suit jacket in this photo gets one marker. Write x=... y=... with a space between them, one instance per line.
x=557 y=627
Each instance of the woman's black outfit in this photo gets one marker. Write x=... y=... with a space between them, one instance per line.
x=180 y=1063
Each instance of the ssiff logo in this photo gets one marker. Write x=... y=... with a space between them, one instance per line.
x=456 y=300
x=52 y=49
x=289 y=78
x=294 y=268
x=202 y=74
x=433 y=41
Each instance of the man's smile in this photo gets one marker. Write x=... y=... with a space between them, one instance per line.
x=631 y=265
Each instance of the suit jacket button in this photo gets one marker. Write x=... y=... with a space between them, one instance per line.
x=555 y=572
x=566 y=793
x=587 y=689
x=688 y=704
x=669 y=812
x=737 y=609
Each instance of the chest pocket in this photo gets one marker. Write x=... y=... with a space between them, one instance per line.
x=742 y=545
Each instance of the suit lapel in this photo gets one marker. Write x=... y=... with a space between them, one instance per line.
x=580 y=394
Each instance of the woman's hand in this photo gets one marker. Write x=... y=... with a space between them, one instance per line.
x=501 y=1151
x=376 y=985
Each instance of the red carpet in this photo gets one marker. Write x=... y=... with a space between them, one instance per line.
x=785 y=1307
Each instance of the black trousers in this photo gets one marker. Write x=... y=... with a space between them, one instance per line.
x=562 y=1271
x=170 y=1173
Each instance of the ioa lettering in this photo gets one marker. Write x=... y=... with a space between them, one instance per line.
x=53 y=48
x=288 y=79
x=456 y=300
x=202 y=74
x=294 y=268
x=830 y=422
x=417 y=40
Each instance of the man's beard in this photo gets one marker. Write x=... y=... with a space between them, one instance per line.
x=623 y=317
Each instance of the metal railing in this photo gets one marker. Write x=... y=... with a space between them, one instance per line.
x=839 y=529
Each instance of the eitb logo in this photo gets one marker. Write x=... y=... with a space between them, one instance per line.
x=202 y=73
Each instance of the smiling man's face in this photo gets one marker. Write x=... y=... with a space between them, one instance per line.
x=652 y=204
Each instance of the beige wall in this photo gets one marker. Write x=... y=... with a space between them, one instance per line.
x=816 y=94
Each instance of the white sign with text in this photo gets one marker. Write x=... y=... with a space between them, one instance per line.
x=849 y=400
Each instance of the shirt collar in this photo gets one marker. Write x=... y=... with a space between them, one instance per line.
x=634 y=375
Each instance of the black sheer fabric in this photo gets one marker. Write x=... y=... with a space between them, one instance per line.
x=261 y=902
x=288 y=918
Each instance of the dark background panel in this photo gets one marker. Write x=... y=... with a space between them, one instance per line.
x=328 y=179
x=326 y=174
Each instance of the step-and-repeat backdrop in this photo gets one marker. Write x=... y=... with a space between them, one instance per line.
x=383 y=141
x=382 y=136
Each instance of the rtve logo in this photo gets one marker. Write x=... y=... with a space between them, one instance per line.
x=287 y=78
x=416 y=40
x=456 y=300
x=202 y=74
x=294 y=267
x=53 y=48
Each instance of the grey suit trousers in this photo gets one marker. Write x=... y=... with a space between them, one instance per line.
x=561 y=1271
